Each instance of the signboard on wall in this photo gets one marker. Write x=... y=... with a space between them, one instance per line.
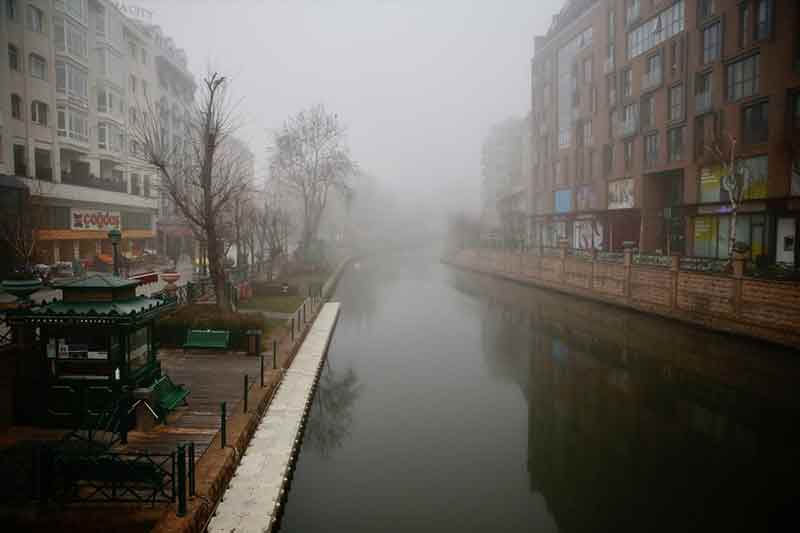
x=94 y=219
x=620 y=194
x=564 y=201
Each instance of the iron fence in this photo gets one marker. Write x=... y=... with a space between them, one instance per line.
x=109 y=477
x=611 y=257
x=652 y=260
x=704 y=264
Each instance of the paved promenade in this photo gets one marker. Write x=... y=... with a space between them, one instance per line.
x=252 y=500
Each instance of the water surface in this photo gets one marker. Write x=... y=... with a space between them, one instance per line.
x=455 y=402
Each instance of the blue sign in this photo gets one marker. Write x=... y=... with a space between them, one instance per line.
x=564 y=201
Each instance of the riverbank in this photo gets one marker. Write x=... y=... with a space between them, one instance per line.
x=216 y=468
x=762 y=309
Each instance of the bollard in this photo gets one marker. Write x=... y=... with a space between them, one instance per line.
x=245 y=393
x=191 y=469
x=261 y=356
x=181 y=480
x=222 y=426
x=274 y=354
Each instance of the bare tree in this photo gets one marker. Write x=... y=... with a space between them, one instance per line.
x=736 y=179
x=272 y=224
x=310 y=157
x=205 y=174
x=20 y=228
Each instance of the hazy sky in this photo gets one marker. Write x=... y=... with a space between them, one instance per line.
x=418 y=82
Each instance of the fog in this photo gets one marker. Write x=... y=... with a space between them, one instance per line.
x=418 y=82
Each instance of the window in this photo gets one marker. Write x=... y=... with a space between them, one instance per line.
x=35 y=19
x=73 y=124
x=658 y=29
x=13 y=57
x=146 y=186
x=144 y=56
x=38 y=66
x=11 y=9
x=676 y=102
x=627 y=79
x=651 y=150
x=711 y=43
x=612 y=89
x=706 y=8
x=587 y=70
x=763 y=19
x=755 y=123
x=703 y=92
x=648 y=111
x=39 y=113
x=632 y=10
x=75 y=8
x=593 y=99
x=627 y=153
x=612 y=24
x=144 y=88
x=132 y=51
x=744 y=24
x=712 y=234
x=16 y=107
x=675 y=143
x=608 y=158
x=753 y=175
x=100 y=20
x=675 y=56
x=72 y=80
x=69 y=38
x=743 y=78
x=132 y=83
x=587 y=133
x=109 y=101
x=135 y=184
x=20 y=160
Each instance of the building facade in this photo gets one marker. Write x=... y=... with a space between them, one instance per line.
x=74 y=78
x=635 y=104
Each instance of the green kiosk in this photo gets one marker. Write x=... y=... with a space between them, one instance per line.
x=90 y=349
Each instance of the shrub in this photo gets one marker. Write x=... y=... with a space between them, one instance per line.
x=171 y=329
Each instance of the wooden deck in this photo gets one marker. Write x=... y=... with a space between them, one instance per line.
x=212 y=378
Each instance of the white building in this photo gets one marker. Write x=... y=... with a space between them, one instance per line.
x=74 y=76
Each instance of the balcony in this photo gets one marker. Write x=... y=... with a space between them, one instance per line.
x=627 y=128
x=106 y=184
x=651 y=80
x=608 y=65
x=702 y=102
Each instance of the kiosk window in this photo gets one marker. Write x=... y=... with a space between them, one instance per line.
x=139 y=349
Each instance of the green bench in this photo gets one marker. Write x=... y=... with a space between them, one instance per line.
x=207 y=338
x=167 y=395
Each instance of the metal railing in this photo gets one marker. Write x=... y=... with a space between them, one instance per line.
x=611 y=257
x=704 y=264
x=652 y=260
x=94 y=182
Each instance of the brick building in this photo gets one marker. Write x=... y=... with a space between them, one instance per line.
x=628 y=97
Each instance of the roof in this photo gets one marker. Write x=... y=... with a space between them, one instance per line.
x=97 y=281
x=58 y=312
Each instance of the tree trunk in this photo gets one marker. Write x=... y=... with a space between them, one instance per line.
x=216 y=266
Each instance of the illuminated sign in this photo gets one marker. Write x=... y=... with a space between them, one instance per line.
x=94 y=219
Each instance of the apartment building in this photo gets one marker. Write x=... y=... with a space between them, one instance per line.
x=74 y=78
x=630 y=99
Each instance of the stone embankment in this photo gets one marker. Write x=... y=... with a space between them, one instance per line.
x=734 y=303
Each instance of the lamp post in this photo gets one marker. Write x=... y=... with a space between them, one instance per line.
x=116 y=236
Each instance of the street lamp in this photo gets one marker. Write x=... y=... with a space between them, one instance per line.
x=116 y=236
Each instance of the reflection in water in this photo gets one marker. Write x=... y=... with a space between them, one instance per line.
x=330 y=419
x=490 y=406
x=635 y=422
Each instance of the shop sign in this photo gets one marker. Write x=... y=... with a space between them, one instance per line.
x=564 y=201
x=620 y=194
x=94 y=219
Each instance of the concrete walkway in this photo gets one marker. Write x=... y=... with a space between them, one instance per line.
x=253 y=497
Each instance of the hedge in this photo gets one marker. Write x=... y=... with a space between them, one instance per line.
x=171 y=329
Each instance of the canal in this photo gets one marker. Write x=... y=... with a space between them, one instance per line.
x=455 y=402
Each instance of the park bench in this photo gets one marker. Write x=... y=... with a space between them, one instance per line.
x=207 y=338
x=167 y=396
